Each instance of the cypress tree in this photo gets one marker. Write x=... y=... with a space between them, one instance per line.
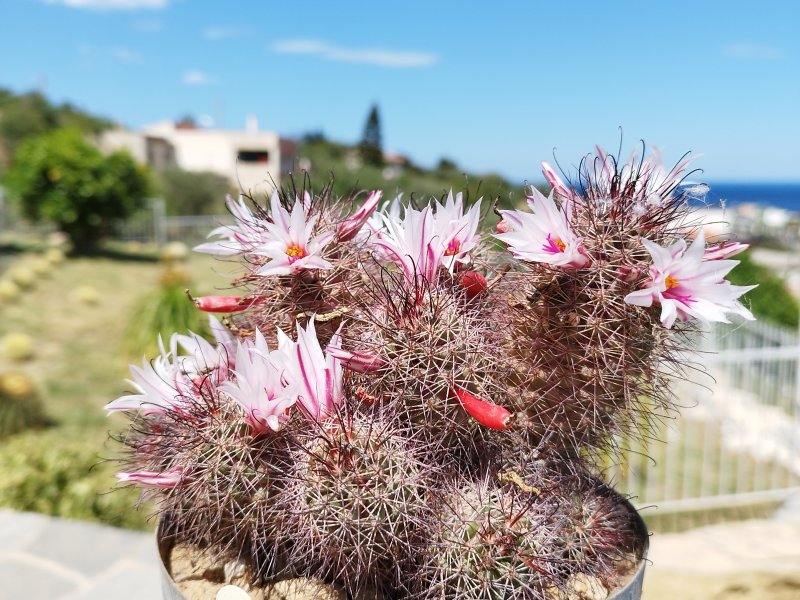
x=370 y=146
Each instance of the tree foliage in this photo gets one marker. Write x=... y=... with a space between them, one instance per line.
x=192 y=193
x=327 y=157
x=60 y=177
x=371 y=146
x=26 y=115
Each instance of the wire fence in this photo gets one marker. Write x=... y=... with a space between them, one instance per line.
x=737 y=440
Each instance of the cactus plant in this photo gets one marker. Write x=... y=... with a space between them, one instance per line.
x=24 y=277
x=20 y=407
x=9 y=291
x=17 y=346
x=395 y=406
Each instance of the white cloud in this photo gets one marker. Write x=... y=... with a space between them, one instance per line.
x=197 y=77
x=215 y=34
x=111 y=4
x=300 y=46
x=129 y=57
x=752 y=52
x=148 y=26
x=371 y=56
x=123 y=55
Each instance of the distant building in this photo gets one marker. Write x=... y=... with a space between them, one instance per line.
x=250 y=159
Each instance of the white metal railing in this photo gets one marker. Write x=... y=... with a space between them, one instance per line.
x=153 y=226
x=737 y=439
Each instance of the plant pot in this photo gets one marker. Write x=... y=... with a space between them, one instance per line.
x=632 y=590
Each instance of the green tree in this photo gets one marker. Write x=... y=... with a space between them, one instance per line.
x=26 y=115
x=62 y=178
x=370 y=147
x=192 y=193
x=771 y=300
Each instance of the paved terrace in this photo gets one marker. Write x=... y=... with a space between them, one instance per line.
x=47 y=558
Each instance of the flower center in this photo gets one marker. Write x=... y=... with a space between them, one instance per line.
x=671 y=282
x=554 y=245
x=295 y=252
x=453 y=248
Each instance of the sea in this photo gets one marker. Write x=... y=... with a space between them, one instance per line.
x=780 y=195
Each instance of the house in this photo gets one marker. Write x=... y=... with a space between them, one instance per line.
x=250 y=159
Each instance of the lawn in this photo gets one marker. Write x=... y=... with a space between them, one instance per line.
x=80 y=362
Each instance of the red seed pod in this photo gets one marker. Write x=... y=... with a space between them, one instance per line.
x=503 y=226
x=225 y=304
x=473 y=283
x=490 y=415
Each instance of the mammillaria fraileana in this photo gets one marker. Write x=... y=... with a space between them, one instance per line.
x=405 y=404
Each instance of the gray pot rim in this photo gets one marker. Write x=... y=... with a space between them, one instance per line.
x=632 y=590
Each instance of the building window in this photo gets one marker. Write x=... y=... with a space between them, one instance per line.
x=254 y=156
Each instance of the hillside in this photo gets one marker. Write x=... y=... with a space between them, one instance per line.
x=320 y=158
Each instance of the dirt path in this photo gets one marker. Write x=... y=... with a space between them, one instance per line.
x=749 y=560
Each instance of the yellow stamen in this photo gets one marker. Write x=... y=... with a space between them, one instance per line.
x=452 y=248
x=561 y=245
x=671 y=282
x=295 y=252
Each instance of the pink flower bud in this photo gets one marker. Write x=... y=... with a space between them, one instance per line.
x=627 y=273
x=555 y=181
x=361 y=362
x=165 y=479
x=352 y=225
x=724 y=251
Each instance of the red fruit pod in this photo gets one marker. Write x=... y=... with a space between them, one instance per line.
x=490 y=415
x=503 y=226
x=473 y=283
x=224 y=304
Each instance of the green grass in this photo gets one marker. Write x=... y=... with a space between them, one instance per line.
x=80 y=364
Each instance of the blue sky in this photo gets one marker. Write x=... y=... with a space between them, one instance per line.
x=495 y=86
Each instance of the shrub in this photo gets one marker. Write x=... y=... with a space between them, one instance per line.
x=61 y=178
x=162 y=312
x=191 y=193
x=61 y=474
x=771 y=300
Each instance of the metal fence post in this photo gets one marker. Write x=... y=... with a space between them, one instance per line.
x=159 y=221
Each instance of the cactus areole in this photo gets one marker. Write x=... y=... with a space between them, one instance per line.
x=404 y=402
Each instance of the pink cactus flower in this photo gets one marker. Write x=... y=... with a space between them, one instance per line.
x=248 y=232
x=317 y=375
x=375 y=226
x=260 y=385
x=166 y=479
x=456 y=231
x=686 y=285
x=291 y=247
x=161 y=384
x=350 y=227
x=544 y=235
x=202 y=357
x=412 y=244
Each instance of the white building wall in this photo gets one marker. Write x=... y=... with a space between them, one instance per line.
x=122 y=139
x=215 y=150
x=218 y=150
